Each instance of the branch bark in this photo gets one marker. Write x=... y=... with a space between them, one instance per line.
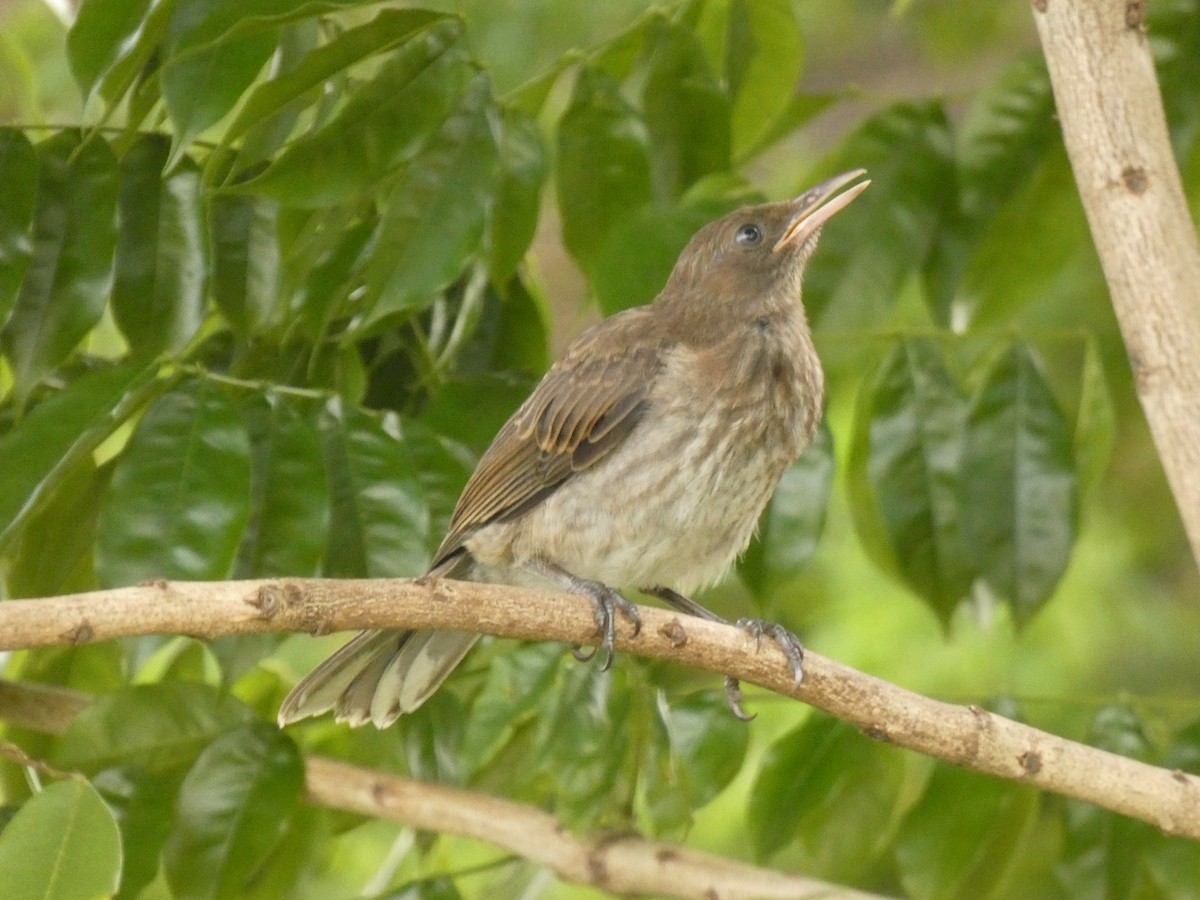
x=964 y=735
x=1116 y=136
x=627 y=865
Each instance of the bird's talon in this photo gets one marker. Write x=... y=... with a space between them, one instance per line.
x=582 y=655
x=792 y=649
x=734 y=697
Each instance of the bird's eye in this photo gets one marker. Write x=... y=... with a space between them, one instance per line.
x=748 y=235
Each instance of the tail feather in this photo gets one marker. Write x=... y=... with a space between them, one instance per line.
x=380 y=675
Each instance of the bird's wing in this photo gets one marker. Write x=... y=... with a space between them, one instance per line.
x=584 y=407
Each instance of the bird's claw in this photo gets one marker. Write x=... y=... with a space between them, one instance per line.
x=734 y=697
x=605 y=604
x=792 y=649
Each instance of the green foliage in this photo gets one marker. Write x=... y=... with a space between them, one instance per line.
x=269 y=298
x=62 y=845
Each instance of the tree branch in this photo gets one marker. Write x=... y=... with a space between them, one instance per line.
x=627 y=865
x=1116 y=135
x=964 y=735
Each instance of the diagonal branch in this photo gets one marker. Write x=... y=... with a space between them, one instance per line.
x=964 y=735
x=1115 y=131
x=627 y=865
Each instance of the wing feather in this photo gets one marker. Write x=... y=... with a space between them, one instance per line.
x=584 y=407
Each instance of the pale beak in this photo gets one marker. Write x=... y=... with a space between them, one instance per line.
x=818 y=205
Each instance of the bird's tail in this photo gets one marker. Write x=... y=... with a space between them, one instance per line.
x=378 y=675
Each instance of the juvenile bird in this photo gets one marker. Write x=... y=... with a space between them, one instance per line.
x=643 y=458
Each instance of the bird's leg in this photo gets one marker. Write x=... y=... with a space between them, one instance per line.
x=756 y=628
x=606 y=602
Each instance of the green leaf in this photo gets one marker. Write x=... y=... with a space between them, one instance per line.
x=794 y=519
x=159 y=286
x=516 y=686
x=63 y=844
x=514 y=216
x=382 y=125
x=383 y=33
x=687 y=114
x=245 y=260
x=44 y=447
x=289 y=518
x=143 y=805
x=1058 y=271
x=764 y=57
x=161 y=727
x=201 y=88
x=74 y=235
x=234 y=808
x=101 y=30
x=180 y=495
x=112 y=41
x=212 y=53
x=434 y=215
x=1018 y=483
x=832 y=788
x=442 y=470
x=379 y=522
x=1000 y=143
x=912 y=426
x=471 y=410
x=55 y=552
x=709 y=744
x=964 y=836
x=1095 y=420
x=324 y=282
x=1105 y=854
x=18 y=186
x=1003 y=136
x=867 y=252
x=603 y=164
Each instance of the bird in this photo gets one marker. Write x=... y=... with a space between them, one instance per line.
x=643 y=458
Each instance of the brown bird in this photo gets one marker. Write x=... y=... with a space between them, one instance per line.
x=642 y=459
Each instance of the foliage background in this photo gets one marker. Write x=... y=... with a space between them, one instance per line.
x=282 y=357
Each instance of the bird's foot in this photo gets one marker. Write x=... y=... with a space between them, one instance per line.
x=606 y=603
x=792 y=649
x=756 y=628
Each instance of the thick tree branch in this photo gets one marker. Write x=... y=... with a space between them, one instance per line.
x=1116 y=135
x=964 y=735
x=627 y=865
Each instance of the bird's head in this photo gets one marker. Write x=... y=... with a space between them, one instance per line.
x=758 y=253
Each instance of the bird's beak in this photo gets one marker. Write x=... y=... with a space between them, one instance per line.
x=818 y=205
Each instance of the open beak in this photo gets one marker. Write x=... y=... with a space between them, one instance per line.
x=818 y=205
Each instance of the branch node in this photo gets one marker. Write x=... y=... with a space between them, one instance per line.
x=877 y=733
x=379 y=792
x=83 y=633
x=1030 y=762
x=1135 y=15
x=1040 y=5
x=674 y=632
x=265 y=600
x=1135 y=179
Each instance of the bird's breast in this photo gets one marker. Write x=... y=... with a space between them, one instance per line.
x=679 y=499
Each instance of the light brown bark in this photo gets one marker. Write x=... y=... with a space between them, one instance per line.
x=1115 y=132
x=964 y=735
